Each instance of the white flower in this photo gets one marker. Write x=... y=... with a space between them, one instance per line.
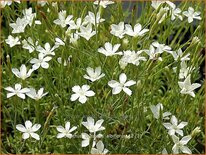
x=131 y=57
x=122 y=85
x=174 y=127
x=93 y=127
x=184 y=70
x=161 y=47
x=65 y=132
x=157 y=110
x=180 y=144
x=17 y=91
x=28 y=16
x=103 y=3
x=179 y=54
x=29 y=130
x=73 y=38
x=86 y=138
x=18 y=26
x=59 y=42
x=75 y=26
x=110 y=50
x=62 y=19
x=29 y=44
x=81 y=93
x=99 y=148
x=118 y=30
x=36 y=95
x=156 y=3
x=42 y=3
x=22 y=73
x=90 y=18
x=187 y=87
x=11 y=41
x=42 y=61
x=191 y=14
x=137 y=31
x=94 y=74
x=47 y=50
x=152 y=52
x=3 y=3
x=86 y=32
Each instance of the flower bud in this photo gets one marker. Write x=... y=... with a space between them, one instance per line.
x=195 y=132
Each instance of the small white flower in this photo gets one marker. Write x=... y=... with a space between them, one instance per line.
x=179 y=145
x=22 y=73
x=156 y=3
x=59 y=42
x=179 y=54
x=118 y=30
x=131 y=57
x=75 y=26
x=122 y=85
x=73 y=38
x=37 y=22
x=156 y=110
x=137 y=31
x=110 y=50
x=36 y=95
x=47 y=50
x=81 y=93
x=65 y=132
x=17 y=91
x=28 y=16
x=18 y=26
x=90 y=18
x=184 y=70
x=93 y=127
x=29 y=130
x=86 y=32
x=62 y=19
x=162 y=14
x=11 y=41
x=29 y=44
x=188 y=88
x=103 y=3
x=94 y=74
x=161 y=47
x=42 y=61
x=86 y=139
x=174 y=127
x=99 y=148
x=191 y=14
x=152 y=52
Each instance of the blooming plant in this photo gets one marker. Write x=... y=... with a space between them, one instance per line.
x=102 y=77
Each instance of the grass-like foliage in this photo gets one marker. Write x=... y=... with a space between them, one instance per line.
x=102 y=77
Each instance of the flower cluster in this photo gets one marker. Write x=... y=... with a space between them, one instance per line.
x=126 y=47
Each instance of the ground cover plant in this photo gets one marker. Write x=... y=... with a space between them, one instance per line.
x=102 y=77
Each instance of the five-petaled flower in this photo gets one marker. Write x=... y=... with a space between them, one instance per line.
x=179 y=145
x=191 y=14
x=122 y=85
x=22 y=73
x=94 y=74
x=81 y=93
x=187 y=87
x=17 y=90
x=29 y=130
x=110 y=50
x=174 y=127
x=65 y=132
